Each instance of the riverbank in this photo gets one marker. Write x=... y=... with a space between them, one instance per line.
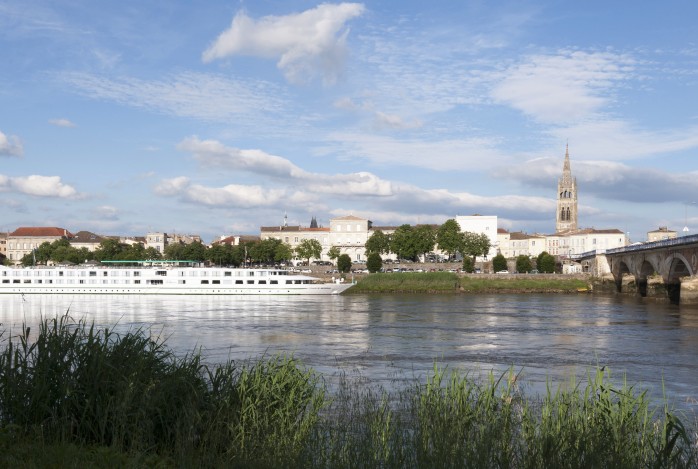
x=450 y=282
x=76 y=396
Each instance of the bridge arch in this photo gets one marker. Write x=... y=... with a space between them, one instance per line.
x=646 y=269
x=620 y=268
x=676 y=266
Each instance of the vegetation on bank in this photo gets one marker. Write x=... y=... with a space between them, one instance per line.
x=447 y=282
x=74 y=396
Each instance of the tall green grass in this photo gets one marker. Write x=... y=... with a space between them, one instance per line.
x=76 y=396
x=413 y=282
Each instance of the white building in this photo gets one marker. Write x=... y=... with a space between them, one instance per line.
x=481 y=224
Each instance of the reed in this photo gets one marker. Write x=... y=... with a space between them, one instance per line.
x=77 y=396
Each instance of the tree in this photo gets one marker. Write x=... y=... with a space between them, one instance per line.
x=449 y=237
x=499 y=262
x=523 y=264
x=344 y=263
x=333 y=253
x=109 y=250
x=378 y=242
x=374 y=262
x=403 y=242
x=425 y=239
x=283 y=253
x=468 y=265
x=309 y=249
x=475 y=244
x=545 y=263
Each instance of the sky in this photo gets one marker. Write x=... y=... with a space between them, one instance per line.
x=219 y=117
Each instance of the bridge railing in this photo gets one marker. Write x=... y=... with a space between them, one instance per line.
x=584 y=255
x=656 y=244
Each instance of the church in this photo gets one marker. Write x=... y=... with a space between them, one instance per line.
x=568 y=238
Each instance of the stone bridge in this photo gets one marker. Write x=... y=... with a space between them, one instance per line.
x=668 y=267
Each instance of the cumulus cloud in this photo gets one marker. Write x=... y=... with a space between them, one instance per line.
x=39 y=186
x=565 y=87
x=10 y=145
x=214 y=153
x=61 y=123
x=609 y=180
x=305 y=43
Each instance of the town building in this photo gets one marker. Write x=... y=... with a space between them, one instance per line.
x=3 y=245
x=87 y=240
x=25 y=239
x=660 y=234
x=481 y=224
x=518 y=243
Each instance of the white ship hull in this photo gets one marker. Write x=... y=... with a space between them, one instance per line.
x=162 y=280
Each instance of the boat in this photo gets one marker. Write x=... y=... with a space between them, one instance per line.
x=162 y=278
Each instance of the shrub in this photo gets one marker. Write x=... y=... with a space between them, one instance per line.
x=374 y=262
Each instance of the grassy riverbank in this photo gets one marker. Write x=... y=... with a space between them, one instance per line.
x=449 y=282
x=73 y=396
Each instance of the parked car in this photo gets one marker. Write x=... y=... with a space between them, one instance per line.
x=503 y=272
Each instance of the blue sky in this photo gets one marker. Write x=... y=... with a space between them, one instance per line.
x=219 y=117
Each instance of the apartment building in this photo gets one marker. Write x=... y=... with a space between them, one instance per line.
x=24 y=239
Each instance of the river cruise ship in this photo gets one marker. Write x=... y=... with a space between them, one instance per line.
x=162 y=278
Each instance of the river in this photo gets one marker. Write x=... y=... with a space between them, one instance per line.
x=386 y=339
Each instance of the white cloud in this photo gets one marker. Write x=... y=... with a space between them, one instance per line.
x=565 y=87
x=466 y=154
x=39 y=186
x=10 y=145
x=214 y=153
x=173 y=186
x=198 y=95
x=61 y=123
x=304 y=43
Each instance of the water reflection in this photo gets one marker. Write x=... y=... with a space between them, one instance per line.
x=389 y=337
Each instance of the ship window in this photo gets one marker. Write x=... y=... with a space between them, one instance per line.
x=161 y=272
x=105 y=273
x=263 y=282
x=7 y=280
x=136 y=274
x=250 y=282
x=15 y=281
x=238 y=282
x=182 y=282
x=136 y=281
x=204 y=282
x=228 y=273
x=274 y=282
x=216 y=282
x=93 y=274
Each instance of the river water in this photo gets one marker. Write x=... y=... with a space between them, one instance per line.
x=385 y=339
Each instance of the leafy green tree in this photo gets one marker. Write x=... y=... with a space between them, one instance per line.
x=403 y=242
x=264 y=251
x=523 y=264
x=309 y=249
x=468 y=265
x=378 y=242
x=109 y=250
x=449 y=237
x=545 y=262
x=175 y=252
x=283 y=252
x=374 y=262
x=344 y=263
x=475 y=244
x=333 y=253
x=499 y=262
x=425 y=239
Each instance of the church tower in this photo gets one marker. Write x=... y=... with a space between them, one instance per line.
x=566 y=198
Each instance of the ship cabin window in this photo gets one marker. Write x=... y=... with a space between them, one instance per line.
x=161 y=272
x=289 y=282
x=274 y=282
x=204 y=282
x=155 y=282
x=93 y=273
x=15 y=281
x=105 y=273
x=238 y=282
x=250 y=282
x=27 y=281
x=136 y=274
x=250 y=274
x=228 y=273
x=216 y=282
x=6 y=280
x=262 y=282
x=136 y=281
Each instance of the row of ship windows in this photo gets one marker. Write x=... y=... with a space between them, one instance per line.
x=127 y=273
x=157 y=282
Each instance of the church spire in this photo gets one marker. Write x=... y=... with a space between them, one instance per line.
x=566 y=197
x=566 y=167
